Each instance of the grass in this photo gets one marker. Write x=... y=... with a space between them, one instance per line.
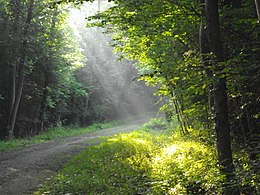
x=148 y=161
x=53 y=133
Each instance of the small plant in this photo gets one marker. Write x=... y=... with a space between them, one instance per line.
x=156 y=124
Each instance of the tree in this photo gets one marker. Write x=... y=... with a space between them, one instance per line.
x=165 y=43
x=16 y=95
x=40 y=54
x=222 y=126
x=257 y=5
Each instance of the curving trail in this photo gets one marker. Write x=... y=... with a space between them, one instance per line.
x=23 y=170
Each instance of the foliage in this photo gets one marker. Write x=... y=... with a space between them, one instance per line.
x=164 y=44
x=156 y=124
x=60 y=84
x=174 y=50
x=50 y=68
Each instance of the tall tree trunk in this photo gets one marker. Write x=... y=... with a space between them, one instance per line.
x=222 y=126
x=21 y=69
x=205 y=51
x=257 y=5
x=43 y=105
x=13 y=92
x=15 y=9
x=204 y=48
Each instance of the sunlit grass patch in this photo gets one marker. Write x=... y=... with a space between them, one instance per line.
x=98 y=170
x=140 y=163
x=185 y=167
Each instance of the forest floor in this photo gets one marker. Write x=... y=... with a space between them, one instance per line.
x=23 y=170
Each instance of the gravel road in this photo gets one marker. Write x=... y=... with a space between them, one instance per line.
x=23 y=170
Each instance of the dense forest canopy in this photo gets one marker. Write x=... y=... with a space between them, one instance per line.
x=54 y=71
x=202 y=56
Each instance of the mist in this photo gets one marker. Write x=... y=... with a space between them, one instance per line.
x=112 y=85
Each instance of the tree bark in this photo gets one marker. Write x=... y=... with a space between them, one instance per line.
x=16 y=6
x=43 y=106
x=222 y=126
x=22 y=65
x=205 y=52
x=257 y=5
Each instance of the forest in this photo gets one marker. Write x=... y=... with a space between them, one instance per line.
x=46 y=71
x=198 y=60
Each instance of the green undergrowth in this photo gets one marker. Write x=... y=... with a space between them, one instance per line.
x=54 y=133
x=152 y=160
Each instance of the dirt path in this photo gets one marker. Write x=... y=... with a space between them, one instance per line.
x=22 y=170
